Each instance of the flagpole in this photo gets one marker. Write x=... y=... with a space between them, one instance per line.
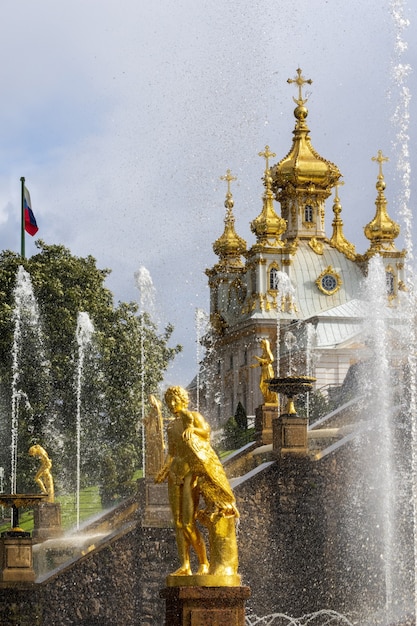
x=22 y=231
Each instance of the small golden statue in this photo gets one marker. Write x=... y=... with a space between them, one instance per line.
x=193 y=468
x=43 y=476
x=267 y=372
x=154 y=438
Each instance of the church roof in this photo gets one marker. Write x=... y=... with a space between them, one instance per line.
x=308 y=272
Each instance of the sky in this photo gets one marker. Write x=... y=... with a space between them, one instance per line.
x=122 y=117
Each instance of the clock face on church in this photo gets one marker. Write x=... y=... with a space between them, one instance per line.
x=329 y=281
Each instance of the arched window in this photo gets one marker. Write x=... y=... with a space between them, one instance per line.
x=273 y=278
x=308 y=213
x=389 y=280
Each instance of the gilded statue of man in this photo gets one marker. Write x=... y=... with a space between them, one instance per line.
x=43 y=476
x=193 y=469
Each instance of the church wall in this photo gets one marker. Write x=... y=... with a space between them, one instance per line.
x=332 y=367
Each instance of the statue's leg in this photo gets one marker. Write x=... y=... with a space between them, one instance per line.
x=189 y=503
x=39 y=481
x=183 y=545
x=49 y=486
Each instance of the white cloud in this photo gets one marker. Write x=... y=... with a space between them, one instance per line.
x=122 y=116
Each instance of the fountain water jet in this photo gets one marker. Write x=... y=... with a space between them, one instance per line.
x=146 y=305
x=400 y=72
x=201 y=325
x=285 y=293
x=319 y=618
x=26 y=320
x=84 y=333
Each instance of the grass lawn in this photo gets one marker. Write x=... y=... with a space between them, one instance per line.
x=90 y=504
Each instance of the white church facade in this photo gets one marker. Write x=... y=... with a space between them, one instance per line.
x=295 y=282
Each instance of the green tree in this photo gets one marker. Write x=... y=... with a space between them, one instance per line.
x=241 y=417
x=112 y=384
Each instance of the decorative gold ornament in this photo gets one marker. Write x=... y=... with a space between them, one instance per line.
x=316 y=245
x=338 y=239
x=329 y=281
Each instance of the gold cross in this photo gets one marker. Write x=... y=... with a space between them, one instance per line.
x=380 y=159
x=267 y=154
x=338 y=184
x=228 y=177
x=300 y=81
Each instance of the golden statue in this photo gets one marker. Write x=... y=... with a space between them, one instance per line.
x=267 y=372
x=43 y=476
x=193 y=469
x=154 y=438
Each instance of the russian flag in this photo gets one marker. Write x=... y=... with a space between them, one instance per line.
x=31 y=226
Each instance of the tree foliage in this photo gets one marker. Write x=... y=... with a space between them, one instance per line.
x=125 y=361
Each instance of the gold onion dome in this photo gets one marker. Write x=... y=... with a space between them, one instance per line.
x=382 y=230
x=229 y=246
x=268 y=226
x=303 y=167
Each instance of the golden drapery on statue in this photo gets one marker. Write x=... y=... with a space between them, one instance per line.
x=43 y=476
x=267 y=372
x=193 y=469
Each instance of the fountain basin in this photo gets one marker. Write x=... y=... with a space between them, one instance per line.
x=16 y=501
x=291 y=386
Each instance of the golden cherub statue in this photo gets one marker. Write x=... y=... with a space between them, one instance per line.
x=267 y=372
x=43 y=476
x=193 y=468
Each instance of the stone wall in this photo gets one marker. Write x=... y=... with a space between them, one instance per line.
x=117 y=584
x=295 y=549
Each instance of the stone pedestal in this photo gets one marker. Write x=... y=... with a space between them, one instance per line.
x=290 y=435
x=16 y=561
x=47 y=521
x=205 y=606
x=265 y=414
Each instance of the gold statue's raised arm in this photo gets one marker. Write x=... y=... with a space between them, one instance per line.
x=43 y=476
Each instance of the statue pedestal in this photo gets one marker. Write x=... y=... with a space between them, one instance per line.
x=47 y=521
x=290 y=435
x=16 y=561
x=265 y=414
x=205 y=606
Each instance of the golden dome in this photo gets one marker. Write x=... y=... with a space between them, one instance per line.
x=303 y=167
x=268 y=226
x=229 y=246
x=382 y=230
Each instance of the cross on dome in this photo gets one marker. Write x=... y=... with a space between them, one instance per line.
x=267 y=154
x=300 y=81
x=228 y=177
x=380 y=159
